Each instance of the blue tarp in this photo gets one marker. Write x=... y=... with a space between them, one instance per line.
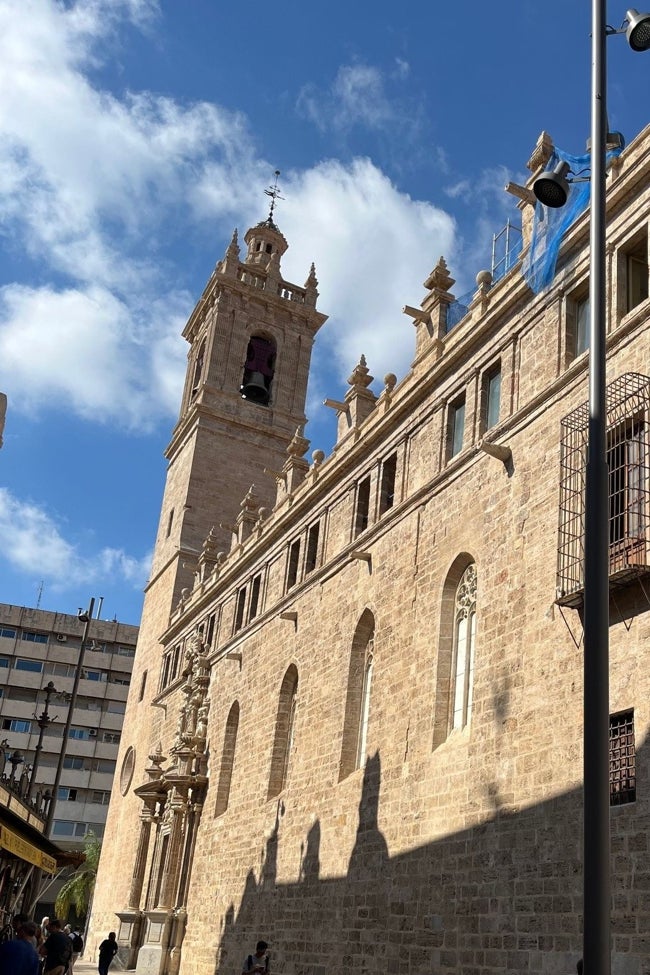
x=549 y=224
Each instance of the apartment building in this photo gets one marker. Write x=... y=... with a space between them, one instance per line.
x=39 y=655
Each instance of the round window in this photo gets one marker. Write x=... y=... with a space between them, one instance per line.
x=128 y=765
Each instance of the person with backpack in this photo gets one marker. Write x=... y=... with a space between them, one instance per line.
x=77 y=948
x=57 y=949
x=257 y=964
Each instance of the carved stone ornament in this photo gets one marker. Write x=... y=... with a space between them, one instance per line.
x=466 y=593
x=192 y=727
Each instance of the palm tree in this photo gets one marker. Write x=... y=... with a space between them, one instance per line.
x=77 y=892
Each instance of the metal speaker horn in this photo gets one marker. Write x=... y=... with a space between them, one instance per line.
x=638 y=30
x=254 y=389
x=552 y=187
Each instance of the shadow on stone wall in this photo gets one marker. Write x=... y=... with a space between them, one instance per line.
x=503 y=896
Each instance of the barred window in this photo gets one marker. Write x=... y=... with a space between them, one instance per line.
x=622 y=760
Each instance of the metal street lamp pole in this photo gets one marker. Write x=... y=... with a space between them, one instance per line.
x=44 y=722
x=596 y=861
x=85 y=617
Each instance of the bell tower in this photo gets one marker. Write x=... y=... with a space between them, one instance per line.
x=250 y=340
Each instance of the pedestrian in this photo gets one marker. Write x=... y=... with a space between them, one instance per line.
x=18 y=956
x=56 y=949
x=107 y=952
x=77 y=947
x=259 y=962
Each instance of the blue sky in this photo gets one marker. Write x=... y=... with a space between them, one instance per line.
x=135 y=135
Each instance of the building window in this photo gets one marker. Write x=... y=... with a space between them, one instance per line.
x=100 y=797
x=117 y=678
x=4 y=662
x=628 y=459
x=627 y=464
x=170 y=522
x=464 y=643
x=456 y=649
x=239 y=610
x=7 y=633
x=576 y=324
x=312 y=548
x=622 y=760
x=33 y=666
x=210 y=633
x=65 y=794
x=15 y=724
x=363 y=506
x=365 y=706
x=73 y=762
x=637 y=273
x=61 y=827
x=284 y=732
x=255 y=597
x=387 y=488
x=111 y=737
x=227 y=760
x=357 y=701
x=82 y=734
x=582 y=326
x=97 y=675
x=125 y=652
x=143 y=685
x=198 y=368
x=456 y=427
x=34 y=637
x=491 y=398
x=292 y=564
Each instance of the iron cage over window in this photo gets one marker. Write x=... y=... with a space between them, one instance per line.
x=628 y=460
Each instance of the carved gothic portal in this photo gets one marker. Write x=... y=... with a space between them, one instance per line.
x=152 y=926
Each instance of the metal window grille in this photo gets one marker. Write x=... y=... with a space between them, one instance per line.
x=622 y=764
x=628 y=458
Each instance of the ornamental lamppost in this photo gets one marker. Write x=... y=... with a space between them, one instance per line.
x=44 y=721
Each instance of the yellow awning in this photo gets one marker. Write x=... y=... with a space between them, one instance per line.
x=26 y=851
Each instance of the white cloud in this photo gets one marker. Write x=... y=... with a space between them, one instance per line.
x=358 y=96
x=31 y=541
x=94 y=187
x=373 y=247
x=74 y=159
x=83 y=350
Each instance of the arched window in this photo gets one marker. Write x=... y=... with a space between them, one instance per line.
x=464 y=641
x=198 y=368
x=456 y=651
x=227 y=760
x=284 y=732
x=259 y=370
x=357 y=702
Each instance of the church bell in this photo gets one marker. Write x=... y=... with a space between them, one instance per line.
x=254 y=388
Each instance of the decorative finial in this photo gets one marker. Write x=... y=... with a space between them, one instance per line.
x=274 y=193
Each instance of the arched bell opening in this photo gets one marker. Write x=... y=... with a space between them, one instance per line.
x=259 y=369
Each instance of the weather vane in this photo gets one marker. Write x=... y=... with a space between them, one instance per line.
x=274 y=193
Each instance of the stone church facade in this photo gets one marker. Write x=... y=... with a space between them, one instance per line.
x=355 y=722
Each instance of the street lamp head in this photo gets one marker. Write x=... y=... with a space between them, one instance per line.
x=82 y=616
x=638 y=30
x=552 y=187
